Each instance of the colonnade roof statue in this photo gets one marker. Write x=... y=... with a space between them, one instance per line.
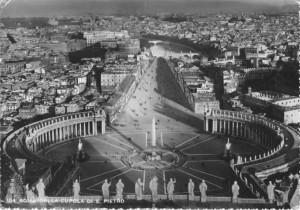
x=170 y=188
x=139 y=189
x=41 y=188
x=153 y=187
x=119 y=189
x=105 y=188
x=191 y=186
x=76 y=188
x=203 y=189
x=235 y=190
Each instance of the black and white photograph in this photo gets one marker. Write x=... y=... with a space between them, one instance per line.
x=150 y=104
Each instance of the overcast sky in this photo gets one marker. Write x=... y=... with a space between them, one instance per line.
x=81 y=7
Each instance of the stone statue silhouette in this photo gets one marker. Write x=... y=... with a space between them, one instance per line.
x=76 y=189
x=270 y=190
x=41 y=189
x=105 y=188
x=153 y=187
x=29 y=192
x=139 y=189
x=235 y=190
x=170 y=188
x=203 y=189
x=191 y=186
x=119 y=187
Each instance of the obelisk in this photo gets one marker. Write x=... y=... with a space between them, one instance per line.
x=153 y=133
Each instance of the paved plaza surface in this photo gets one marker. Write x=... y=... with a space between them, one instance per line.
x=187 y=152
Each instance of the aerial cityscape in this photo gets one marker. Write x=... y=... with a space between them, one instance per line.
x=150 y=104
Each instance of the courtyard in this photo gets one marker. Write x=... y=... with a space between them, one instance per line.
x=179 y=133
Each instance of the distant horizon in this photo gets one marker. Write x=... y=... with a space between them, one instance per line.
x=52 y=8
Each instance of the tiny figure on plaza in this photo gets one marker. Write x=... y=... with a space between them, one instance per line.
x=170 y=188
x=119 y=190
x=203 y=189
x=105 y=189
x=76 y=189
x=191 y=186
x=139 y=189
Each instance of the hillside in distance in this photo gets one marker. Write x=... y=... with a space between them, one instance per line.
x=36 y=8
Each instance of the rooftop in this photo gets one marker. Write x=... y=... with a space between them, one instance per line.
x=126 y=83
x=113 y=100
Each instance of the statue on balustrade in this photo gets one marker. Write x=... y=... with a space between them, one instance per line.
x=170 y=188
x=41 y=189
x=239 y=160
x=270 y=190
x=203 y=189
x=76 y=189
x=232 y=162
x=153 y=187
x=139 y=189
x=14 y=188
x=119 y=187
x=105 y=189
x=235 y=191
x=191 y=186
x=29 y=193
x=208 y=111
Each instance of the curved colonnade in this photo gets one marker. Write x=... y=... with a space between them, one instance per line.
x=42 y=134
x=252 y=128
x=257 y=130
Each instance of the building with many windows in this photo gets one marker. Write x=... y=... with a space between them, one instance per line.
x=93 y=37
x=12 y=66
x=27 y=111
x=205 y=102
x=278 y=106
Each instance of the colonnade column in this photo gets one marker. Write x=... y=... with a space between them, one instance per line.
x=95 y=127
x=102 y=126
x=59 y=134
x=66 y=132
x=221 y=126
x=52 y=137
x=243 y=130
x=79 y=129
x=71 y=131
x=205 y=119
x=214 y=126
x=84 y=129
x=56 y=135
x=46 y=140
